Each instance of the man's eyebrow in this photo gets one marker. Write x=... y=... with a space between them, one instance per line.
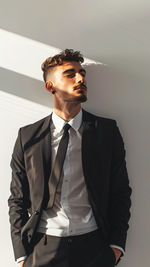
x=82 y=70
x=73 y=70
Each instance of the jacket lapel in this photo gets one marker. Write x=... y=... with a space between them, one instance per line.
x=42 y=164
x=92 y=152
x=91 y=142
x=45 y=154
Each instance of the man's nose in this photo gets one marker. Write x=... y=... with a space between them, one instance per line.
x=79 y=78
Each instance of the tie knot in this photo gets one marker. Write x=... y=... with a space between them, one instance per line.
x=66 y=127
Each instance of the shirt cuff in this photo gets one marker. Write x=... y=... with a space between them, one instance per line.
x=115 y=246
x=21 y=259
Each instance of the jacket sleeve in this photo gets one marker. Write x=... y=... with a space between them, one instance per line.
x=18 y=200
x=120 y=192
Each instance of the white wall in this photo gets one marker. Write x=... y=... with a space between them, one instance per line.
x=116 y=33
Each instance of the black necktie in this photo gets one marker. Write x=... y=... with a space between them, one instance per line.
x=58 y=165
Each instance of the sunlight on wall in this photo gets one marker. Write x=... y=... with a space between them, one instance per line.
x=24 y=56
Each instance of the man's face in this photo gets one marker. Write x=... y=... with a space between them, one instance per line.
x=69 y=82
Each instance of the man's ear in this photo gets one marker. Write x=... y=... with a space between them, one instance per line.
x=49 y=86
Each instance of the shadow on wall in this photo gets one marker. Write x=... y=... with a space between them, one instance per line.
x=109 y=92
x=24 y=87
x=100 y=80
x=106 y=90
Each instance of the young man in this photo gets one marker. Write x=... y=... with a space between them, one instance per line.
x=70 y=194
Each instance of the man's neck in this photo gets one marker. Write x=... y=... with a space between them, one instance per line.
x=68 y=113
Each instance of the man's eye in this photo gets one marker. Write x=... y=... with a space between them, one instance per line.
x=70 y=75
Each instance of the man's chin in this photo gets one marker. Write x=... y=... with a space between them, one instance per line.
x=79 y=99
x=82 y=98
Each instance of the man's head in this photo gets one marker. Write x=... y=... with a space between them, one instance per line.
x=65 y=77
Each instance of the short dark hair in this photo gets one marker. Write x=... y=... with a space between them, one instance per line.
x=59 y=59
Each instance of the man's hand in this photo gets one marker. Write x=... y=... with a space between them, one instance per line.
x=117 y=252
x=21 y=263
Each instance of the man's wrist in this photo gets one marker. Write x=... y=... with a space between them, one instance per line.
x=118 y=251
x=118 y=247
x=21 y=259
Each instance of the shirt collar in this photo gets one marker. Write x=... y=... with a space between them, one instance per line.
x=59 y=123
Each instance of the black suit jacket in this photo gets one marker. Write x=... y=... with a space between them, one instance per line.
x=106 y=178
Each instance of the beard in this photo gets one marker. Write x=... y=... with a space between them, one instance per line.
x=77 y=99
x=82 y=98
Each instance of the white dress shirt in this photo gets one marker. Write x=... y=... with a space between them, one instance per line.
x=72 y=213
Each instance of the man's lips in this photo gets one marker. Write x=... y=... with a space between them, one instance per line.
x=81 y=88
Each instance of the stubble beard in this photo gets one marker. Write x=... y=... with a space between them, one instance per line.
x=83 y=98
x=78 y=99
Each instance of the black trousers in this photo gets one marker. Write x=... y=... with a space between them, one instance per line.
x=87 y=250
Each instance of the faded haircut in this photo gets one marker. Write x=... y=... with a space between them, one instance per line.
x=59 y=59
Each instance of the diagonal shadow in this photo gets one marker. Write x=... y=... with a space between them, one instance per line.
x=104 y=89
x=24 y=87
